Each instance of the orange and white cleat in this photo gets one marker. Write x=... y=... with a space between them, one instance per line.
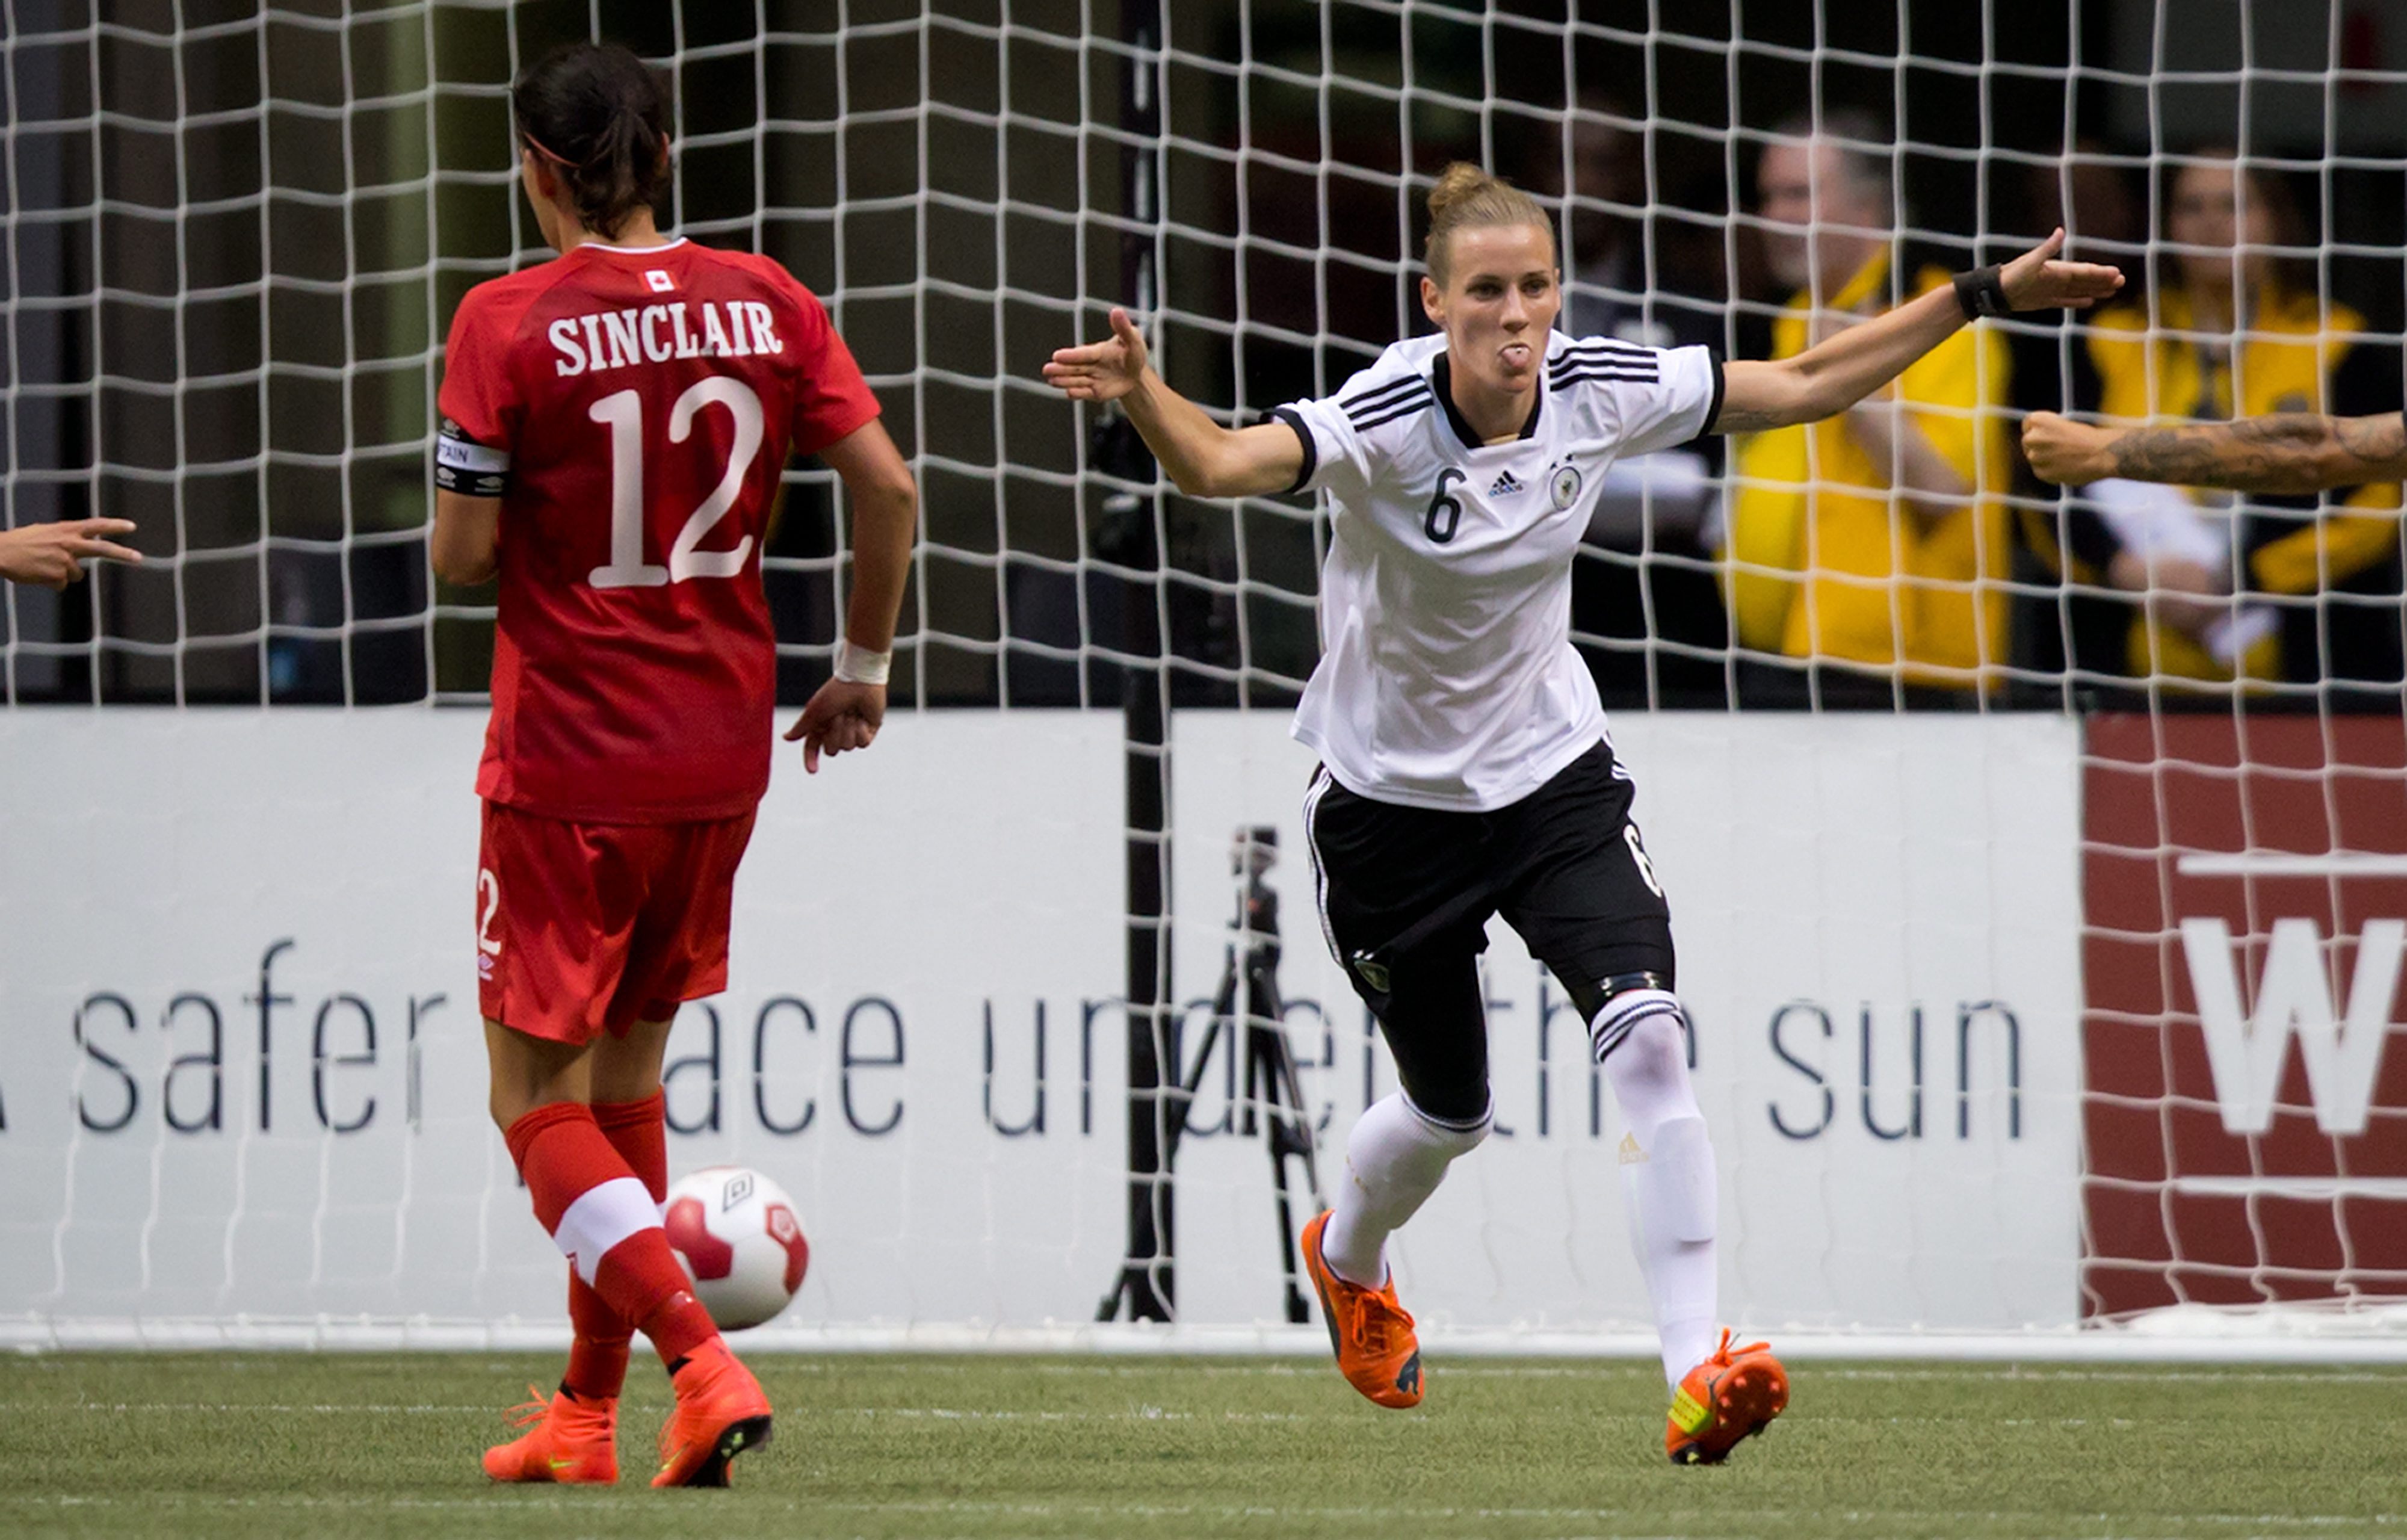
x=567 y=1439
x=1369 y=1331
x=720 y=1413
x=1733 y=1394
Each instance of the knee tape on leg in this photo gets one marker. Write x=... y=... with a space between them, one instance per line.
x=1676 y=1183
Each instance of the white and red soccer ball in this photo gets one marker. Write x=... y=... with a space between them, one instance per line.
x=736 y=1233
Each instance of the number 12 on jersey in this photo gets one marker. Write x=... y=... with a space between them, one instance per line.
x=623 y=414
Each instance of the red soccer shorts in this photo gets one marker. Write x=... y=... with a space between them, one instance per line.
x=586 y=927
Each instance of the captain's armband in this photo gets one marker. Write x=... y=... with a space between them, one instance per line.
x=465 y=466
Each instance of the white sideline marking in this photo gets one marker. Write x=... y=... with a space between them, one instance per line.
x=2276 y=863
x=1143 y=1414
x=2300 y=1337
x=2151 y=1376
x=2309 y=1188
x=218 y=1407
x=1454 y=1369
x=1157 y=1414
x=1745 y=1522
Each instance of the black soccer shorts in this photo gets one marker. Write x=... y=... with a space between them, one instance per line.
x=1406 y=895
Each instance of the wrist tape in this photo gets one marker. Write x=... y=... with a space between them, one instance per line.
x=1982 y=292
x=858 y=665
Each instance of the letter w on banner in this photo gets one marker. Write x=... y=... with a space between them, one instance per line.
x=2246 y=1054
x=2243 y=888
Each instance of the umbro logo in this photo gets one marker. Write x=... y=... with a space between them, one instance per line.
x=1505 y=485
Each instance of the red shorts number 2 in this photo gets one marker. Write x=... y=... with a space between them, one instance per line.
x=586 y=928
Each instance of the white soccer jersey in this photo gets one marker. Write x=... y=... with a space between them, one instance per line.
x=1448 y=678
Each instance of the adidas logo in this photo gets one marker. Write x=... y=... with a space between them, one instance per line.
x=1504 y=486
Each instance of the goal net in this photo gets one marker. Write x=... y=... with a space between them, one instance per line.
x=2013 y=838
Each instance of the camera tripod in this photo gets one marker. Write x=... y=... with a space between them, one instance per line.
x=1248 y=1009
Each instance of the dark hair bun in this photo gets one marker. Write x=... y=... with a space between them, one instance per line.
x=601 y=117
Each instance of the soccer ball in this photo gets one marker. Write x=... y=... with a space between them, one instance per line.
x=737 y=1234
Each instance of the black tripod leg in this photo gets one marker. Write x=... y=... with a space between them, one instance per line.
x=1269 y=1074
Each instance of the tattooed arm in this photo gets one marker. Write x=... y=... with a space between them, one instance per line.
x=2292 y=452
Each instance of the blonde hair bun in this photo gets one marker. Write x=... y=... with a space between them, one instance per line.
x=1466 y=197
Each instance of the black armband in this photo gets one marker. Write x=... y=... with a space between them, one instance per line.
x=464 y=465
x=1982 y=292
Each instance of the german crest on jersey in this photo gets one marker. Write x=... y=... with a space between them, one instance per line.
x=1563 y=486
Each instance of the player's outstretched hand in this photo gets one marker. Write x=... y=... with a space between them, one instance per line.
x=843 y=715
x=1101 y=371
x=2068 y=454
x=54 y=554
x=2040 y=279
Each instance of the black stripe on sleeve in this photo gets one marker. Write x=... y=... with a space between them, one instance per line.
x=1572 y=357
x=1409 y=408
x=1601 y=371
x=1374 y=393
x=1713 y=404
x=1294 y=418
x=1369 y=402
x=1594 y=346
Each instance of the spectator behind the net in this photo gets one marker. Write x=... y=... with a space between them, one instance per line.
x=1872 y=544
x=54 y=554
x=1671 y=293
x=2230 y=587
x=2093 y=194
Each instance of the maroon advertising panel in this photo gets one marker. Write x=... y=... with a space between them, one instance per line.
x=2245 y=886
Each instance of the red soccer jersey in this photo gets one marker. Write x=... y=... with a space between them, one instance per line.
x=634 y=411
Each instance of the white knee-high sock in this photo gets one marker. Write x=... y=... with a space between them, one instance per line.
x=1394 y=1159
x=1667 y=1170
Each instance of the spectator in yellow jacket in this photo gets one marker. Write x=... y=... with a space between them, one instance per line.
x=1875 y=540
x=2265 y=588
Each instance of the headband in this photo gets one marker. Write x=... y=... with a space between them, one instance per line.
x=556 y=158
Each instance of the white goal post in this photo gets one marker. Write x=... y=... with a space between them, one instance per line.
x=1996 y=971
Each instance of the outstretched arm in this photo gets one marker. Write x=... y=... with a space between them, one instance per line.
x=1203 y=459
x=2291 y=453
x=54 y=554
x=1827 y=379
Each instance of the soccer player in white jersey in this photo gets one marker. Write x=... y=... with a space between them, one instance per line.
x=1465 y=770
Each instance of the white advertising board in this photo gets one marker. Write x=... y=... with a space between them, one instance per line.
x=187 y=866
x=1871 y=913
x=243 y=1073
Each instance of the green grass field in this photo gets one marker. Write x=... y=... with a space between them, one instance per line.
x=361 y=1446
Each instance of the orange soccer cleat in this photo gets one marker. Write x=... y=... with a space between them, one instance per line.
x=720 y=1413
x=1729 y=1396
x=1369 y=1331
x=567 y=1439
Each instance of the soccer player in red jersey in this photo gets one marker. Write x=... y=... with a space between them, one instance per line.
x=616 y=425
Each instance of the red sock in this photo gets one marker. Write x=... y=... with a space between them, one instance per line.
x=601 y=1216
x=639 y=1131
x=597 y=1356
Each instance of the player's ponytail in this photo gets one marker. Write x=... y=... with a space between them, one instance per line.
x=601 y=118
x=1465 y=197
